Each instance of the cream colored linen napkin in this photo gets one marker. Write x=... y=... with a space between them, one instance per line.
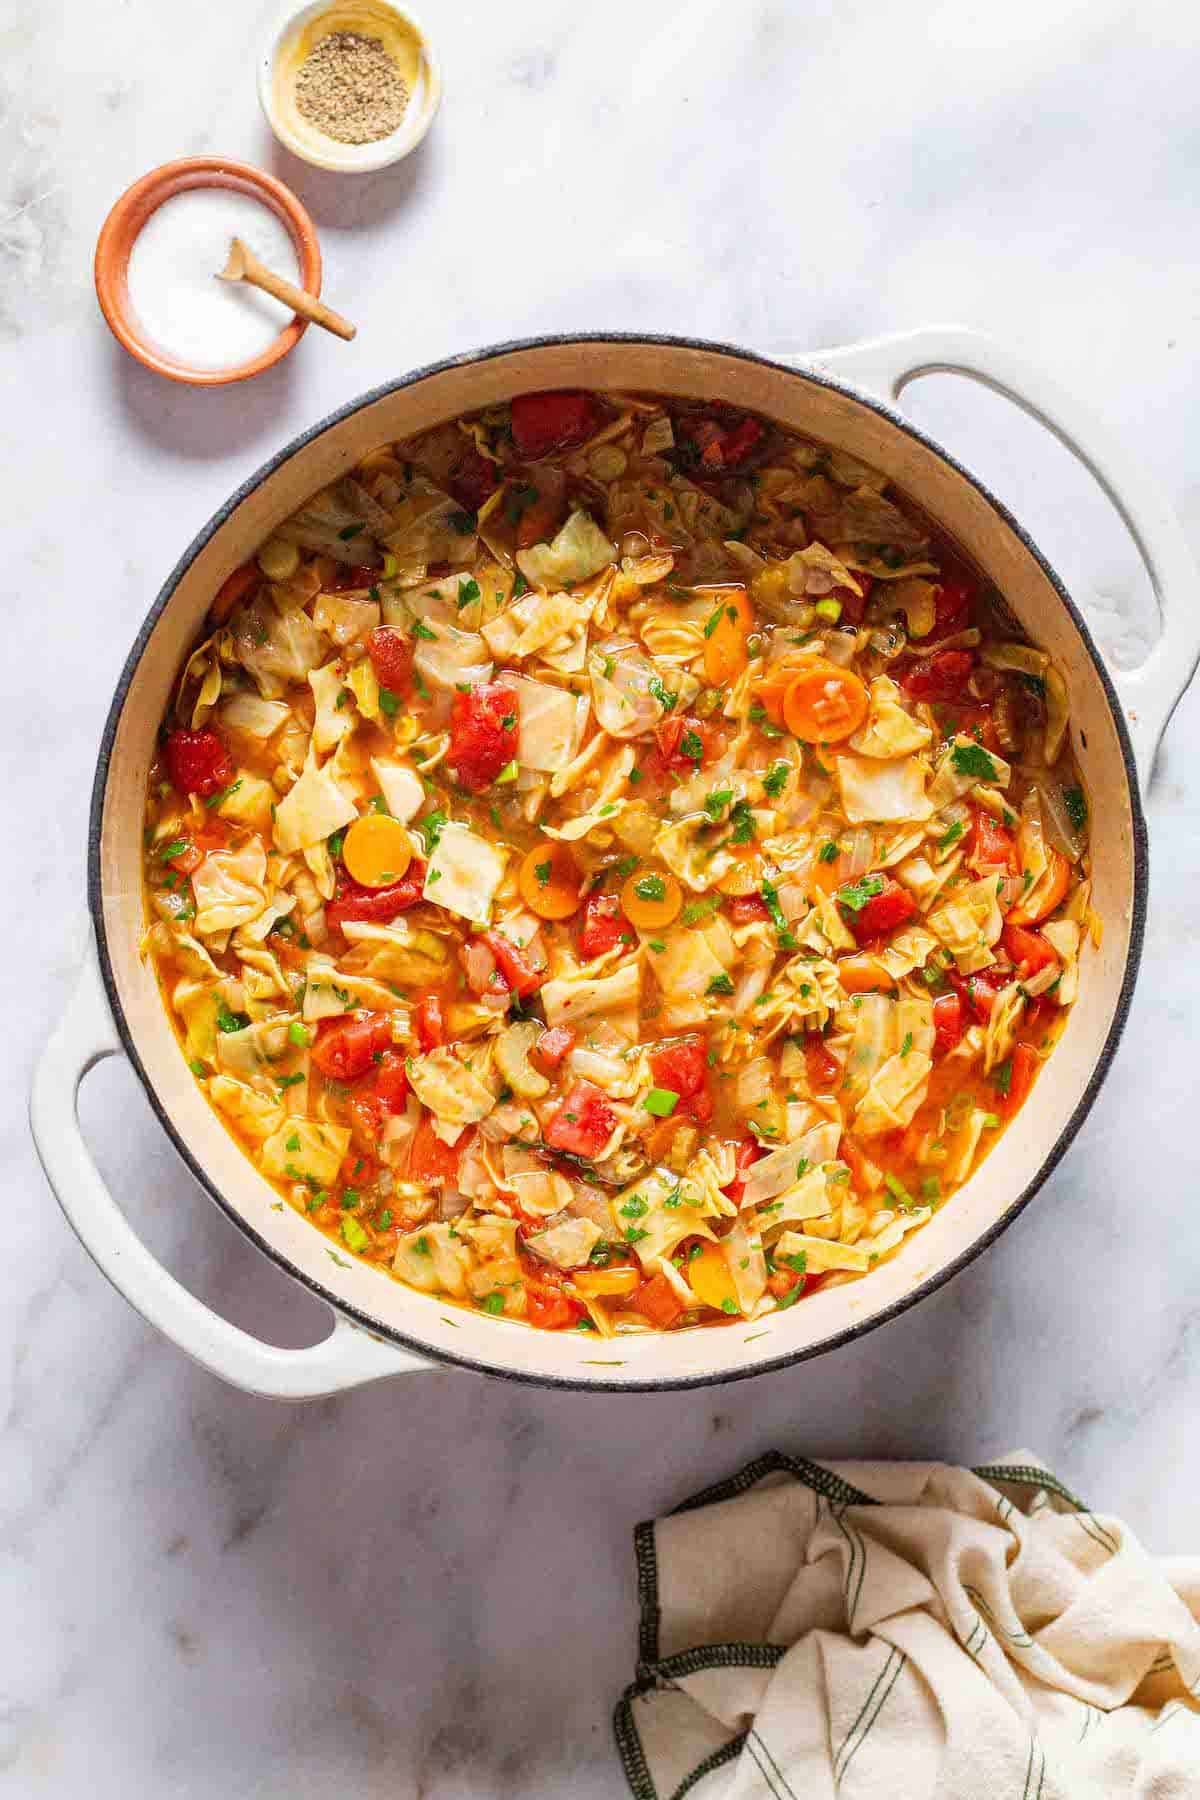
x=909 y=1630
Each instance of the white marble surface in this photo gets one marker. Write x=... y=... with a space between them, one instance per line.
x=426 y=1588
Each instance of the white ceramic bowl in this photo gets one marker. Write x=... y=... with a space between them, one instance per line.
x=383 y=1327
x=295 y=35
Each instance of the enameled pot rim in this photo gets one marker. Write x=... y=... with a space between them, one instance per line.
x=933 y=1281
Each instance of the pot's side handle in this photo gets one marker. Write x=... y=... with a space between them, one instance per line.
x=1149 y=694
x=345 y=1359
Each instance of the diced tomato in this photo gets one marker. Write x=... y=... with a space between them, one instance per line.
x=535 y=504
x=353 y=904
x=992 y=844
x=211 y=836
x=392 y=660
x=346 y=1048
x=657 y=1301
x=684 y=745
x=976 y=991
x=429 y=1160
x=188 y=860
x=744 y=1158
x=583 y=1123
x=366 y=1119
x=1029 y=950
x=973 y=721
x=553 y=1045
x=824 y=1070
x=391 y=1081
x=548 y=1308
x=1025 y=1064
x=1037 y=1015
x=943 y=676
x=682 y=1068
x=483 y=735
x=515 y=964
x=351 y=575
x=735 y=446
x=883 y=913
x=782 y=1282
x=721 y=447
x=198 y=762
x=472 y=480
x=603 y=924
x=431 y=1029
x=854 y=605
x=947 y=1023
x=747 y=909
x=951 y=607
x=542 y=423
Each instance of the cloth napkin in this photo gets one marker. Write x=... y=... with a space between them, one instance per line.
x=908 y=1630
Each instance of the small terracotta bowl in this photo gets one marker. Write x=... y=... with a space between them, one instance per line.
x=126 y=220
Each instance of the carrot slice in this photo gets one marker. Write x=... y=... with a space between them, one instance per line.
x=376 y=850
x=725 y=652
x=824 y=704
x=607 y=1283
x=1043 y=898
x=549 y=879
x=771 y=687
x=651 y=901
x=710 y=1279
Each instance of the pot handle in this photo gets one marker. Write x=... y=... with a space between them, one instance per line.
x=884 y=366
x=346 y=1358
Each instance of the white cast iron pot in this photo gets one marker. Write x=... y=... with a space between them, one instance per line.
x=382 y=1328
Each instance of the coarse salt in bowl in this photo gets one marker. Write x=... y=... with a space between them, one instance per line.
x=294 y=39
x=201 y=334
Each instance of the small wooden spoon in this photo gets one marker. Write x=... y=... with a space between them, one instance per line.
x=243 y=265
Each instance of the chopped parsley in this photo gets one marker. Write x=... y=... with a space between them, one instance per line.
x=650 y=887
x=354 y=1236
x=468 y=593
x=855 y=894
x=713 y=622
x=828 y=852
x=389 y=704
x=230 y=1021
x=430 y=828
x=691 y=745
x=742 y=820
x=770 y=899
x=422 y=630
x=775 y=780
x=349 y=531
x=666 y=699
x=716 y=802
x=635 y=1208
x=952 y=836
x=1075 y=802
x=220 y=798
x=542 y=872
x=720 y=984
x=906 y=1046
x=973 y=759
x=1002 y=1078
x=899 y=1192
x=696 y=910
